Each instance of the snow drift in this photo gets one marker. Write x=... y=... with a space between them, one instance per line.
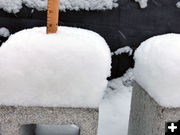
x=157 y=68
x=66 y=69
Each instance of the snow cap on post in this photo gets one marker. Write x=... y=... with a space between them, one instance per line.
x=66 y=69
x=157 y=68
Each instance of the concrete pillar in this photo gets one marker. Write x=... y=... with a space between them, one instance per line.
x=12 y=118
x=147 y=117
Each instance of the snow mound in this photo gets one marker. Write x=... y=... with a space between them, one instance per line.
x=142 y=3
x=157 y=68
x=14 y=6
x=4 y=32
x=66 y=69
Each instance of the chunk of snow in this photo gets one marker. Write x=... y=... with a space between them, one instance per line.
x=115 y=107
x=4 y=32
x=142 y=3
x=40 y=5
x=125 y=49
x=14 y=6
x=157 y=68
x=178 y=4
x=11 y=6
x=66 y=69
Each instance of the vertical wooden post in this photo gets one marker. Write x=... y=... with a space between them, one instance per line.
x=52 y=16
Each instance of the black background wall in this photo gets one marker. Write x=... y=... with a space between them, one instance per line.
x=127 y=25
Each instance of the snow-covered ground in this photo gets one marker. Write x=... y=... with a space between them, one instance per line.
x=14 y=6
x=115 y=107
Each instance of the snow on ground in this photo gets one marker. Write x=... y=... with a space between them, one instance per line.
x=157 y=68
x=125 y=49
x=14 y=6
x=142 y=3
x=69 y=68
x=4 y=32
x=115 y=107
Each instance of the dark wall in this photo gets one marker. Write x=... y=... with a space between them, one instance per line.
x=127 y=25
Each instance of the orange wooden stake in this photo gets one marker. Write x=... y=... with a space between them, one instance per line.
x=52 y=16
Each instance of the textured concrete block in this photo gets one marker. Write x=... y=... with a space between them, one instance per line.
x=12 y=118
x=147 y=117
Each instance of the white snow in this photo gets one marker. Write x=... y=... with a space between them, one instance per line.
x=14 y=6
x=4 y=32
x=178 y=4
x=125 y=49
x=142 y=3
x=11 y=6
x=114 y=110
x=157 y=68
x=115 y=107
x=40 y=5
x=66 y=69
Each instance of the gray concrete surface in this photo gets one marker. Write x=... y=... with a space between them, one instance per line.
x=147 y=117
x=12 y=118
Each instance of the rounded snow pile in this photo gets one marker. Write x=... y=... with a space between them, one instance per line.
x=66 y=69
x=157 y=68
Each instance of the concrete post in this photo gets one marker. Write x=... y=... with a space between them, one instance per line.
x=147 y=117
x=12 y=118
